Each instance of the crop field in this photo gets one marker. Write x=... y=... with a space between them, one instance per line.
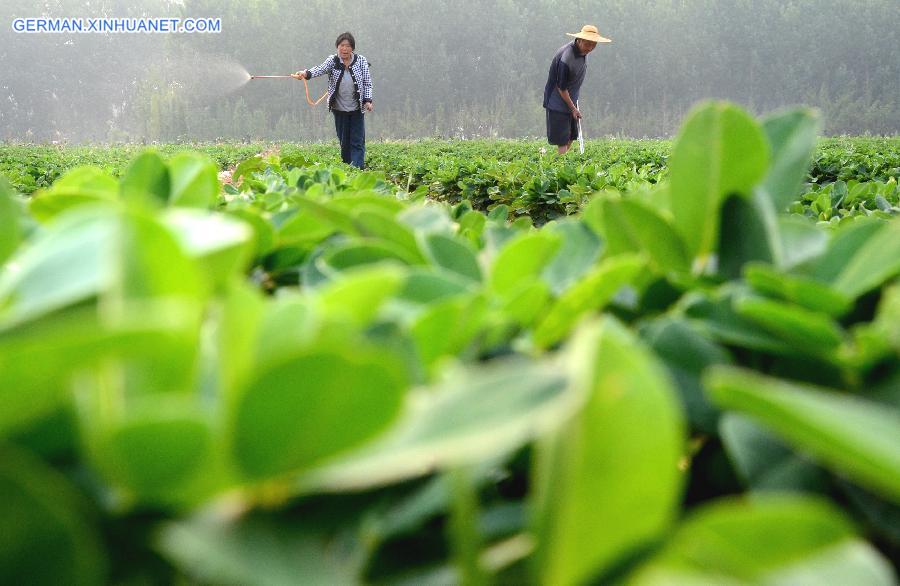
x=660 y=362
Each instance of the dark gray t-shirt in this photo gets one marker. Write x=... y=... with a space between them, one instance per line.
x=346 y=95
x=567 y=71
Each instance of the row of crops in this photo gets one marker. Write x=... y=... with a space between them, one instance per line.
x=313 y=375
x=846 y=176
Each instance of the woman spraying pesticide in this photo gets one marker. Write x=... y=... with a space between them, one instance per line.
x=349 y=96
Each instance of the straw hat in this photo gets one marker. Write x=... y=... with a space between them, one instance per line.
x=590 y=33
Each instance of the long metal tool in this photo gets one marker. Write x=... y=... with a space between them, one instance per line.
x=580 y=134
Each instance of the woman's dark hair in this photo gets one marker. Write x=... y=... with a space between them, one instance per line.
x=346 y=37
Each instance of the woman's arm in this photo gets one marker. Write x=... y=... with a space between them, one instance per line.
x=366 y=85
x=322 y=69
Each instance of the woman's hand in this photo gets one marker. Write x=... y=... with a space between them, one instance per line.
x=300 y=75
x=368 y=106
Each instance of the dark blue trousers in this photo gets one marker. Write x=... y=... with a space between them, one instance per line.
x=351 y=133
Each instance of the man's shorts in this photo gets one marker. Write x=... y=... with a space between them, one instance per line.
x=562 y=128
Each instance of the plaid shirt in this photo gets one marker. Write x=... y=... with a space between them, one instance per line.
x=359 y=73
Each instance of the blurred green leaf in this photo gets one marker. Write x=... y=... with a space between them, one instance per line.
x=715 y=315
x=433 y=284
x=589 y=294
x=525 y=305
x=604 y=486
x=579 y=251
x=63 y=265
x=376 y=223
x=745 y=235
x=221 y=245
x=808 y=331
x=772 y=540
x=247 y=167
x=160 y=456
x=46 y=536
x=763 y=462
x=687 y=353
x=237 y=330
x=808 y=293
x=256 y=550
x=471 y=226
x=453 y=254
x=357 y=295
x=262 y=229
x=72 y=341
x=792 y=137
x=851 y=435
x=152 y=270
x=78 y=187
x=720 y=151
x=872 y=264
x=363 y=252
x=427 y=219
x=445 y=327
x=844 y=245
x=631 y=226
x=479 y=413
x=146 y=179
x=522 y=260
x=312 y=406
x=801 y=242
x=313 y=222
x=10 y=229
x=194 y=181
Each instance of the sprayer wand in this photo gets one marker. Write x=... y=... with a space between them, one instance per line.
x=305 y=85
x=580 y=134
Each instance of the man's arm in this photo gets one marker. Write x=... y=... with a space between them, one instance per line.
x=564 y=94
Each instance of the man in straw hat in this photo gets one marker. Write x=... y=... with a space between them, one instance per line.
x=563 y=84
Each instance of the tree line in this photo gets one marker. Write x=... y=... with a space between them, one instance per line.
x=452 y=69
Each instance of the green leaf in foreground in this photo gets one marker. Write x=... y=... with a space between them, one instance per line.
x=194 y=180
x=452 y=253
x=577 y=255
x=763 y=462
x=772 y=540
x=792 y=136
x=874 y=263
x=522 y=260
x=719 y=151
x=605 y=484
x=10 y=231
x=480 y=413
x=357 y=295
x=846 y=433
x=45 y=536
x=67 y=263
x=256 y=550
x=808 y=293
x=589 y=294
x=808 y=331
x=78 y=187
x=312 y=406
x=147 y=179
x=632 y=226
x=160 y=457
